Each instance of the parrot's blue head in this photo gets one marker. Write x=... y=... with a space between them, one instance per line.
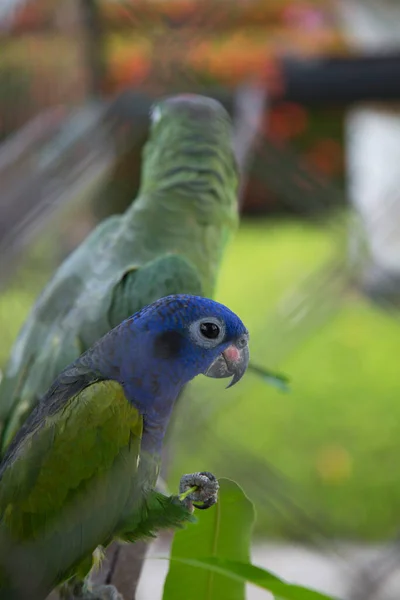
x=183 y=336
x=158 y=350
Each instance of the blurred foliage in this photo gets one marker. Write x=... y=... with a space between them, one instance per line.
x=335 y=436
x=298 y=163
x=225 y=42
x=180 y=45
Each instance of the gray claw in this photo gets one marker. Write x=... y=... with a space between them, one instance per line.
x=207 y=489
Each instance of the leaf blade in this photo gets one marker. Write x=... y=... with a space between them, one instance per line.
x=249 y=573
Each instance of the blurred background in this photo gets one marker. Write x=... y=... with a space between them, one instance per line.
x=313 y=88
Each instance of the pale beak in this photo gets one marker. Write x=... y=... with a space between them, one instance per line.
x=232 y=362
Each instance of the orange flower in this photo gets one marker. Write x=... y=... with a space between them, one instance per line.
x=286 y=121
x=129 y=71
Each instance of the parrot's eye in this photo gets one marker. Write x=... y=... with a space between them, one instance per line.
x=209 y=330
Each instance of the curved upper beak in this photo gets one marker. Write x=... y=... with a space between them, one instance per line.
x=232 y=362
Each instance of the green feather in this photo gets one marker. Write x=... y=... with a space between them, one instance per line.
x=157 y=512
x=70 y=484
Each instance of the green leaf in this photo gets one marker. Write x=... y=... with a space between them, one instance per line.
x=248 y=573
x=221 y=531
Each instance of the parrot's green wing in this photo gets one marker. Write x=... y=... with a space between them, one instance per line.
x=68 y=481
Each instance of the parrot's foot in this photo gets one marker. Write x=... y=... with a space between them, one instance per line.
x=83 y=591
x=206 y=492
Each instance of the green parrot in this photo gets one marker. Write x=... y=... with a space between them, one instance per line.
x=171 y=240
x=82 y=469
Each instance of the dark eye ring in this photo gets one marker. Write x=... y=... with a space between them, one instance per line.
x=209 y=330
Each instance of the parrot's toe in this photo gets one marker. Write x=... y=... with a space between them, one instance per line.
x=206 y=493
